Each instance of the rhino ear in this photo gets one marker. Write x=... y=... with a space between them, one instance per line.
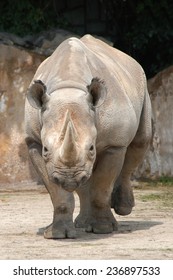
x=36 y=94
x=98 y=91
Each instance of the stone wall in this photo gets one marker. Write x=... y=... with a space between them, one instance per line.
x=159 y=159
x=17 y=67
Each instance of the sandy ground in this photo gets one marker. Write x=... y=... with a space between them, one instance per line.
x=147 y=233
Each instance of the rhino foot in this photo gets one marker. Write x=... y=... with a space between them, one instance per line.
x=95 y=227
x=102 y=228
x=122 y=201
x=105 y=223
x=81 y=221
x=60 y=231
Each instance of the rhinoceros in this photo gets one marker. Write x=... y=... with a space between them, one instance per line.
x=88 y=126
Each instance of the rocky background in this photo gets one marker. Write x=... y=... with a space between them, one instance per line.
x=19 y=59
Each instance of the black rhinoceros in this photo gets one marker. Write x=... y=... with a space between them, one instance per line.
x=88 y=125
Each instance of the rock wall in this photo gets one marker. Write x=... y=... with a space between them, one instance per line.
x=159 y=159
x=17 y=67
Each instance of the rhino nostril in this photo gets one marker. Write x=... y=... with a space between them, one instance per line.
x=45 y=152
x=91 y=148
x=56 y=180
x=84 y=179
x=45 y=149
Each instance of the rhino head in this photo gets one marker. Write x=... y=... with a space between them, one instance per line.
x=68 y=131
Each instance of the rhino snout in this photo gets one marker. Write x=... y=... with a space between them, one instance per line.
x=70 y=182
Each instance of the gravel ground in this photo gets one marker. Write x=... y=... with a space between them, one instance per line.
x=147 y=233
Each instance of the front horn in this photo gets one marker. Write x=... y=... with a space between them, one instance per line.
x=68 y=150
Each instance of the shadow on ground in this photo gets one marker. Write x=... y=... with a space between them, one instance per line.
x=123 y=228
x=130 y=226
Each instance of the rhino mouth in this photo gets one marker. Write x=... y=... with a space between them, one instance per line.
x=70 y=182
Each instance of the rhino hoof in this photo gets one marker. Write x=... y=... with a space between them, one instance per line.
x=100 y=228
x=81 y=221
x=122 y=201
x=59 y=232
x=123 y=211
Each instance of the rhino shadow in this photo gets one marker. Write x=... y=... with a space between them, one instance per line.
x=131 y=226
x=124 y=227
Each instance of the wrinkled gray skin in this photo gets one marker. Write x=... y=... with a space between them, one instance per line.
x=88 y=125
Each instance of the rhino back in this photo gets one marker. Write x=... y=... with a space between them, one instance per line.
x=118 y=117
x=81 y=60
x=119 y=70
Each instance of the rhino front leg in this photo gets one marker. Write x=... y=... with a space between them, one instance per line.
x=82 y=220
x=108 y=168
x=62 y=225
x=63 y=201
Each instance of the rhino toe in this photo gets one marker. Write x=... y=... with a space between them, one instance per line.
x=102 y=228
x=59 y=232
x=81 y=221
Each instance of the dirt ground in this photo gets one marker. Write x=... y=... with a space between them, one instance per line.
x=147 y=233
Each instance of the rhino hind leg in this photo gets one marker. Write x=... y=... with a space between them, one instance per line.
x=122 y=198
